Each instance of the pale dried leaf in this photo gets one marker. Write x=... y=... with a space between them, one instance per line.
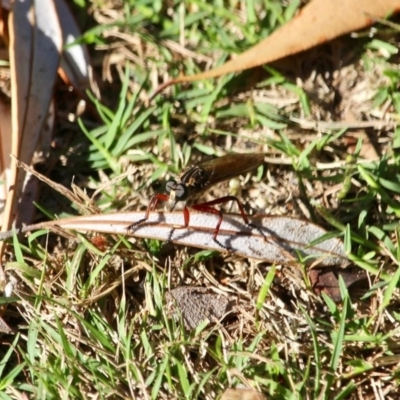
x=35 y=45
x=284 y=237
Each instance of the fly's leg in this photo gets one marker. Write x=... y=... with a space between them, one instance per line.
x=155 y=199
x=208 y=207
x=186 y=216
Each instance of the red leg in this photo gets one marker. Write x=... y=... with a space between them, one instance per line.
x=155 y=199
x=207 y=207
x=186 y=216
x=223 y=200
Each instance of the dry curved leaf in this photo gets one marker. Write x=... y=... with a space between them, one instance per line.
x=284 y=240
x=318 y=22
x=35 y=45
x=75 y=62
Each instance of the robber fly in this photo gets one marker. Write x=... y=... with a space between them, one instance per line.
x=194 y=180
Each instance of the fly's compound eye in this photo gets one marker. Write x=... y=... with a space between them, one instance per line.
x=170 y=185
x=181 y=192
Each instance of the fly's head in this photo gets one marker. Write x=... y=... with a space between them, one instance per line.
x=177 y=192
x=191 y=184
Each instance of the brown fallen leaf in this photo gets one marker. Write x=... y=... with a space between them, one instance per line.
x=318 y=22
x=5 y=134
x=197 y=304
x=242 y=394
x=327 y=280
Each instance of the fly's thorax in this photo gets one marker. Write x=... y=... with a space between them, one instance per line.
x=195 y=179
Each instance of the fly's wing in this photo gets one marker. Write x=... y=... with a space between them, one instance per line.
x=227 y=167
